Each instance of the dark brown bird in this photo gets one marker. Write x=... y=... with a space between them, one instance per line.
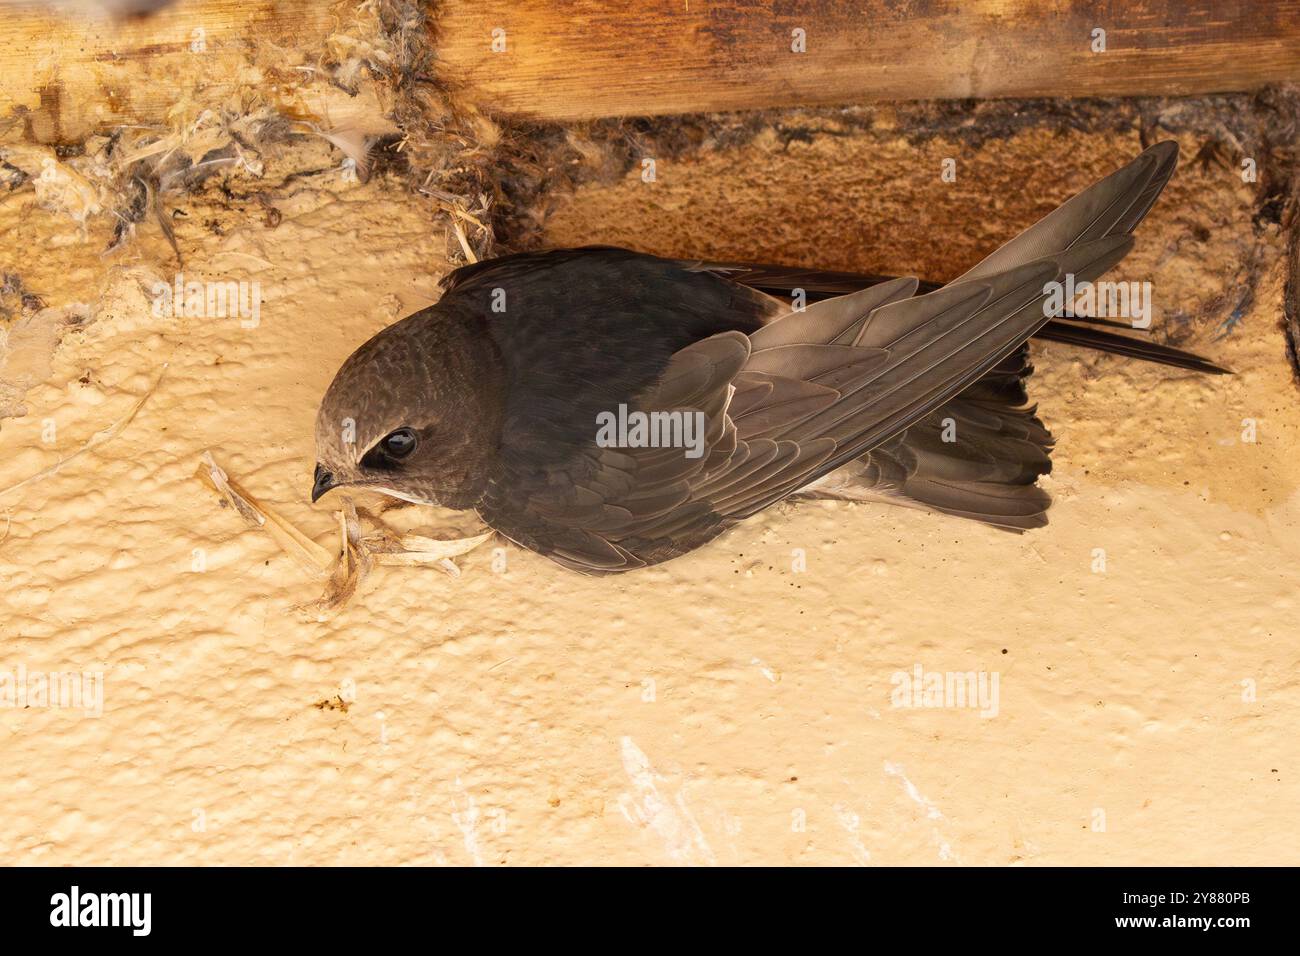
x=499 y=398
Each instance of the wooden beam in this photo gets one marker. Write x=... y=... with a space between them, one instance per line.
x=63 y=77
x=579 y=59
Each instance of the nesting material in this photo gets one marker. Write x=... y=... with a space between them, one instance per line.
x=58 y=187
x=370 y=92
x=411 y=550
x=357 y=552
x=309 y=555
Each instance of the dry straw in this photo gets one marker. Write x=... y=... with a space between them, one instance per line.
x=356 y=553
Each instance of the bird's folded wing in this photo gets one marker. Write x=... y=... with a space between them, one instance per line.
x=616 y=508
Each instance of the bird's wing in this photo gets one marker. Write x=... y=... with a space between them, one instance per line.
x=616 y=508
x=811 y=391
x=942 y=342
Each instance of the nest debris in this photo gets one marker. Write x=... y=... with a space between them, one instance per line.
x=357 y=552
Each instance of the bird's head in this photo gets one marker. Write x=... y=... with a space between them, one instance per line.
x=413 y=413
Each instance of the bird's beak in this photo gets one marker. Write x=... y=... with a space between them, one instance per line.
x=322 y=482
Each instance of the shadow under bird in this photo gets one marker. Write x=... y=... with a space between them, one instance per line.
x=494 y=398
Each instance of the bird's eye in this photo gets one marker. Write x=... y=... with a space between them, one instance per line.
x=390 y=450
x=399 y=444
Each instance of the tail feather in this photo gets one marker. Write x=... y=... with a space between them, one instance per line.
x=781 y=281
x=1147 y=351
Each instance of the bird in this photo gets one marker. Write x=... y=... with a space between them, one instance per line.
x=524 y=392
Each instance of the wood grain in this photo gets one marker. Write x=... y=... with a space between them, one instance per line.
x=582 y=59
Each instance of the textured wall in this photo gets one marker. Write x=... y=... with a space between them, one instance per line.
x=721 y=709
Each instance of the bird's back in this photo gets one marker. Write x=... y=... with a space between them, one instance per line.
x=581 y=331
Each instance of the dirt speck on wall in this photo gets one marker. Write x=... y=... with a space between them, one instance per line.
x=744 y=704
